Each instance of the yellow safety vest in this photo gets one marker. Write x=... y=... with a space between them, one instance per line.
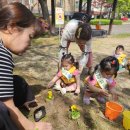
x=121 y=58
x=70 y=80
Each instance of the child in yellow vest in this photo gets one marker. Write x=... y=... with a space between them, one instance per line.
x=102 y=81
x=121 y=56
x=68 y=77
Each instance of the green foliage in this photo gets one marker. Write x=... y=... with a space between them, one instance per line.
x=104 y=22
x=75 y=114
x=123 y=6
x=109 y=1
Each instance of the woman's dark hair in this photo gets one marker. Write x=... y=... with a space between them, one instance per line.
x=70 y=59
x=83 y=32
x=82 y=17
x=120 y=47
x=16 y=14
x=107 y=64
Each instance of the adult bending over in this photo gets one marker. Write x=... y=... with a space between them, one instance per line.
x=80 y=32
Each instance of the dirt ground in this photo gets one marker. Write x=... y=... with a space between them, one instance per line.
x=39 y=64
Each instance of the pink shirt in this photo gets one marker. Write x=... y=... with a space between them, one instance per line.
x=111 y=82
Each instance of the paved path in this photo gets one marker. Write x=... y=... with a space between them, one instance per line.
x=117 y=29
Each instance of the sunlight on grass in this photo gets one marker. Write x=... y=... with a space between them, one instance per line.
x=121 y=35
x=54 y=39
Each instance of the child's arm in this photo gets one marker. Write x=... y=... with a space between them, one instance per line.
x=113 y=90
x=115 y=93
x=91 y=85
x=53 y=81
x=77 y=91
x=84 y=57
x=97 y=90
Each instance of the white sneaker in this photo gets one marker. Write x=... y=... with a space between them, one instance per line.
x=57 y=87
x=63 y=91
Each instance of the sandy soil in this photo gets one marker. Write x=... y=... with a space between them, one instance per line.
x=39 y=64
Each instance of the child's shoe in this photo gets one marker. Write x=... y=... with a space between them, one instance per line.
x=101 y=99
x=86 y=100
x=57 y=87
x=63 y=91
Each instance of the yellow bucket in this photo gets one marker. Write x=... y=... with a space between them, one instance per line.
x=126 y=120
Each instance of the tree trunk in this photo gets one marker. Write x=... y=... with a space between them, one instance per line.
x=113 y=16
x=80 y=5
x=101 y=11
x=3 y=3
x=109 y=13
x=53 y=12
x=88 y=10
x=45 y=12
x=53 y=16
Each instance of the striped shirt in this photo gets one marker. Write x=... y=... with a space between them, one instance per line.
x=6 y=73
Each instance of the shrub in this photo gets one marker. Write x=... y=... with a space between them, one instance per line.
x=104 y=22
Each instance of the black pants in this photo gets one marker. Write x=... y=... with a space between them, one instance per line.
x=22 y=93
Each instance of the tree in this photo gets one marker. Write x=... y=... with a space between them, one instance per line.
x=3 y=3
x=102 y=2
x=88 y=10
x=113 y=16
x=53 y=12
x=123 y=7
x=45 y=12
x=109 y=1
x=53 y=16
x=80 y=5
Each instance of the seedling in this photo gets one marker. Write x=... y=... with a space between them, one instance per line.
x=49 y=96
x=75 y=114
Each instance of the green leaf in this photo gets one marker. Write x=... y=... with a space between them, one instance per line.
x=75 y=115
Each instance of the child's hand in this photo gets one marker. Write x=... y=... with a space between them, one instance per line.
x=104 y=92
x=77 y=91
x=51 y=83
x=122 y=95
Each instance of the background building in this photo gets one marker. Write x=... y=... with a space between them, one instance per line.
x=98 y=7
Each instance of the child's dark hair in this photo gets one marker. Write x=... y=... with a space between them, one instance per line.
x=120 y=47
x=83 y=32
x=70 y=60
x=107 y=64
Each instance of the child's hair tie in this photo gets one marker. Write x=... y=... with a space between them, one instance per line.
x=63 y=53
x=79 y=31
x=113 y=62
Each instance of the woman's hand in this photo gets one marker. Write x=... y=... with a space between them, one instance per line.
x=42 y=126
